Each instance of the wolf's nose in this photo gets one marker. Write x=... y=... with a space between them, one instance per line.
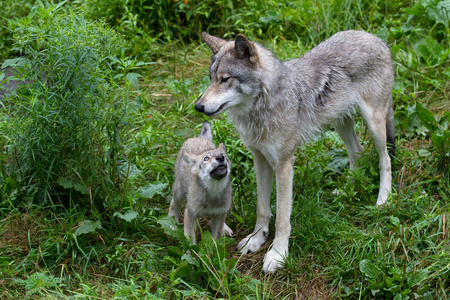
x=220 y=158
x=199 y=107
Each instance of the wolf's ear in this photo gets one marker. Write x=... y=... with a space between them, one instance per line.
x=244 y=48
x=213 y=42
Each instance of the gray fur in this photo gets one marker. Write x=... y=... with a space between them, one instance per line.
x=277 y=106
x=202 y=177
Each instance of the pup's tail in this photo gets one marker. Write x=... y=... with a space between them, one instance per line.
x=390 y=129
x=206 y=131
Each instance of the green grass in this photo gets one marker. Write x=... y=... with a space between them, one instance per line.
x=342 y=245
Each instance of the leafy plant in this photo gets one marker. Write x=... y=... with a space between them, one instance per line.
x=38 y=283
x=440 y=134
x=63 y=124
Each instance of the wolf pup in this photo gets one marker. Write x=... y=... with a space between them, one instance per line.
x=277 y=106
x=202 y=177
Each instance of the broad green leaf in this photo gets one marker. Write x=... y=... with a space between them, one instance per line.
x=151 y=189
x=129 y=216
x=426 y=117
x=129 y=169
x=69 y=184
x=417 y=277
x=394 y=220
x=87 y=226
x=441 y=140
x=133 y=79
x=369 y=269
x=14 y=62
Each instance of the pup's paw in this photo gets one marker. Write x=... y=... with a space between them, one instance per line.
x=227 y=230
x=253 y=242
x=273 y=260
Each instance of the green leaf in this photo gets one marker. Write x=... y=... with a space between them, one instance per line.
x=129 y=216
x=14 y=62
x=151 y=189
x=69 y=184
x=417 y=277
x=426 y=117
x=238 y=218
x=369 y=269
x=133 y=79
x=87 y=226
x=441 y=140
x=394 y=220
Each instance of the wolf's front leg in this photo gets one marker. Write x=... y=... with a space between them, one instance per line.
x=217 y=225
x=274 y=259
x=264 y=180
x=190 y=222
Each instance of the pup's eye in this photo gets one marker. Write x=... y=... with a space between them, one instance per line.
x=224 y=79
x=206 y=158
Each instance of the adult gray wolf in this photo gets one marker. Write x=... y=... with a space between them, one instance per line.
x=202 y=177
x=276 y=106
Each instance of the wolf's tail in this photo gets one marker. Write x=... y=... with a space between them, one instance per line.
x=206 y=131
x=390 y=128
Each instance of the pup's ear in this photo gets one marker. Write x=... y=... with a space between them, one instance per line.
x=213 y=42
x=206 y=131
x=222 y=149
x=244 y=48
x=190 y=159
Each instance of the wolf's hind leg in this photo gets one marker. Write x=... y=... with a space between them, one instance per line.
x=375 y=118
x=346 y=130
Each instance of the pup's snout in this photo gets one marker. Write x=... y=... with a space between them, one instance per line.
x=220 y=158
x=199 y=107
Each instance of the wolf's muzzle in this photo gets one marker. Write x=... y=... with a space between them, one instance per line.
x=199 y=107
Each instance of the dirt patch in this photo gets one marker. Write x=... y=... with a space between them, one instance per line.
x=21 y=231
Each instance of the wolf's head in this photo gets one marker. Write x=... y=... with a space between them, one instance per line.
x=235 y=75
x=209 y=166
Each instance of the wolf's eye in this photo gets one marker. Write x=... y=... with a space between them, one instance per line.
x=224 y=79
x=206 y=158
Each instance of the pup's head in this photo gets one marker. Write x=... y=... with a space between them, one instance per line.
x=233 y=75
x=210 y=165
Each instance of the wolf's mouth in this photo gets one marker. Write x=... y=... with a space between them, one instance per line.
x=218 y=111
x=219 y=172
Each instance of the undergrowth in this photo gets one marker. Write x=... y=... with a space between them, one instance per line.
x=85 y=186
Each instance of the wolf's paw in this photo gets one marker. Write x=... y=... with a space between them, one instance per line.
x=227 y=230
x=253 y=242
x=274 y=260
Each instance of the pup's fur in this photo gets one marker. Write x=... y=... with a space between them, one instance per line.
x=277 y=105
x=202 y=177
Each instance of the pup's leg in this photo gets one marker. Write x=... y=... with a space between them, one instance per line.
x=217 y=225
x=375 y=118
x=264 y=180
x=227 y=230
x=177 y=199
x=280 y=247
x=189 y=225
x=346 y=130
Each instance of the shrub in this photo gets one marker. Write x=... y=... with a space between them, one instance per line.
x=62 y=127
